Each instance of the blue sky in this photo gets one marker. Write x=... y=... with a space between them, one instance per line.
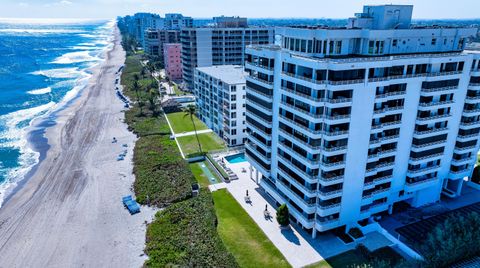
x=207 y=8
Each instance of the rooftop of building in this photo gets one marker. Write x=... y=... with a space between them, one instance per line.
x=230 y=74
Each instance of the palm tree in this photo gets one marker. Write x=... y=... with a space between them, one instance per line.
x=152 y=98
x=191 y=110
x=136 y=87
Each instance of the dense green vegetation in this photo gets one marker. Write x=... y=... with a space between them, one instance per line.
x=361 y=257
x=283 y=215
x=242 y=236
x=181 y=123
x=210 y=142
x=457 y=238
x=185 y=235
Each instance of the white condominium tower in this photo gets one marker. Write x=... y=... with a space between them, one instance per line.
x=210 y=46
x=345 y=122
x=220 y=97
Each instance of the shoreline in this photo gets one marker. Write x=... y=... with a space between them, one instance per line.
x=68 y=212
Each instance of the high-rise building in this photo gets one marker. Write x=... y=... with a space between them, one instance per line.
x=175 y=21
x=203 y=47
x=220 y=97
x=155 y=39
x=230 y=22
x=172 y=53
x=344 y=123
x=143 y=22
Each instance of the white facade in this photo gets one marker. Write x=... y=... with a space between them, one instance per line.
x=220 y=96
x=204 y=47
x=344 y=123
x=144 y=22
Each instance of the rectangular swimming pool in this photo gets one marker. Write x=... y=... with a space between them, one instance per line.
x=236 y=158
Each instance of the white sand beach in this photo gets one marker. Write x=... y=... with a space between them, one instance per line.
x=69 y=213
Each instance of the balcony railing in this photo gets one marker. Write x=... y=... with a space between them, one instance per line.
x=437 y=103
x=433 y=117
x=388 y=109
x=309 y=97
x=424 y=132
x=297 y=140
x=375 y=193
x=329 y=193
x=390 y=94
x=382 y=125
x=379 y=180
x=428 y=144
x=318 y=132
x=423 y=169
x=430 y=90
x=425 y=157
x=307 y=113
x=413 y=183
x=257 y=65
x=384 y=139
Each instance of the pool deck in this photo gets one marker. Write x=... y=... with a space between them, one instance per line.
x=294 y=243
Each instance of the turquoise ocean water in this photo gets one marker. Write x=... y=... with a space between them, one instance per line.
x=43 y=65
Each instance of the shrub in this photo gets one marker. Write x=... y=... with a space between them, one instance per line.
x=283 y=216
x=453 y=240
x=185 y=235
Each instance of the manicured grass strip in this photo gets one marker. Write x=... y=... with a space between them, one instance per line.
x=241 y=235
x=210 y=142
x=181 y=123
x=185 y=235
x=146 y=125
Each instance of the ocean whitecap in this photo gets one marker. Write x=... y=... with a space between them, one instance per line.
x=40 y=91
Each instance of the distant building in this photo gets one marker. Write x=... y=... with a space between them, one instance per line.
x=177 y=21
x=230 y=22
x=143 y=22
x=172 y=53
x=203 y=47
x=220 y=98
x=155 y=39
x=345 y=123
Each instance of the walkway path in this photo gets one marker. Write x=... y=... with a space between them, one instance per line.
x=192 y=133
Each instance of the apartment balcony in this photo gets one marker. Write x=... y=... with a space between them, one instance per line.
x=380 y=193
x=464 y=149
x=295 y=110
x=256 y=129
x=315 y=134
x=462 y=161
x=306 y=191
x=309 y=178
x=346 y=82
x=383 y=140
x=332 y=165
x=437 y=91
x=337 y=118
x=468 y=137
x=387 y=125
x=387 y=111
x=472 y=99
x=327 y=210
x=429 y=132
x=259 y=119
x=437 y=74
x=301 y=96
x=427 y=146
x=472 y=112
x=334 y=150
x=252 y=148
x=298 y=79
x=432 y=118
x=334 y=135
x=376 y=208
x=469 y=125
x=427 y=106
x=307 y=223
x=328 y=181
x=390 y=95
x=259 y=81
x=308 y=162
x=259 y=143
x=422 y=171
x=431 y=157
x=459 y=174
x=420 y=185
x=258 y=166
x=259 y=68
x=383 y=153
x=329 y=194
x=338 y=102
x=306 y=146
x=306 y=207
x=378 y=181
x=326 y=225
x=259 y=107
x=260 y=95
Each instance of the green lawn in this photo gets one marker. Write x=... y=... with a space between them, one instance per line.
x=209 y=141
x=241 y=235
x=181 y=123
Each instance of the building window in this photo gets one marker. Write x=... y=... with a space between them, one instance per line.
x=434 y=41
x=371 y=47
x=394 y=42
x=338 y=47
x=234 y=132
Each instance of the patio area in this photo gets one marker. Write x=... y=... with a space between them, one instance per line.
x=294 y=243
